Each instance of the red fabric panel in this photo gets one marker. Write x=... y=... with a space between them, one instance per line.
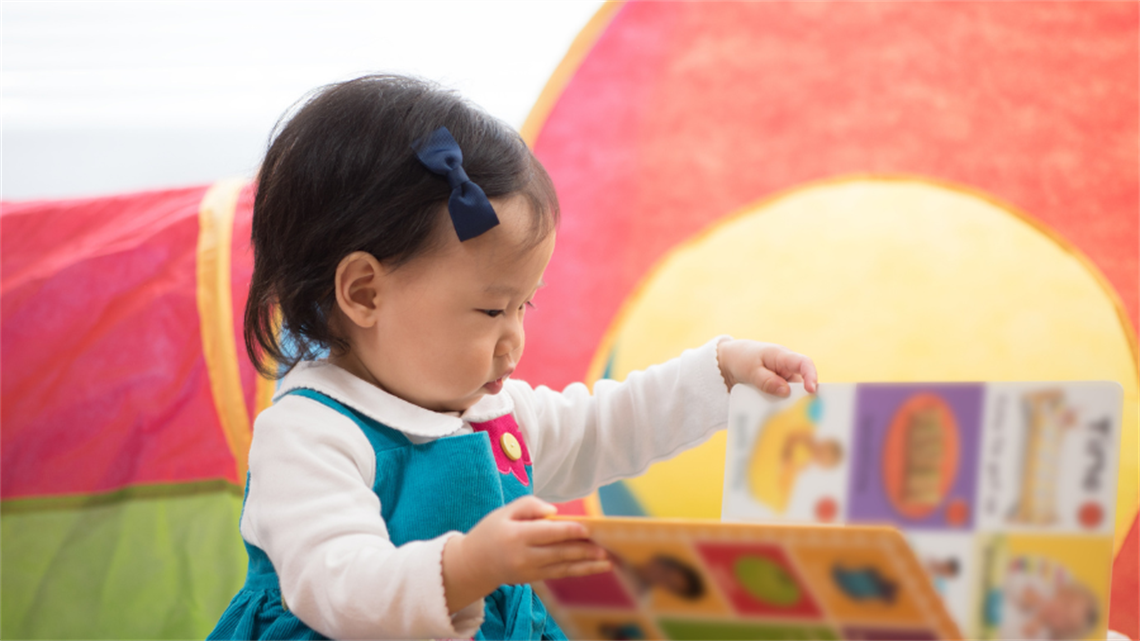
x=1124 y=608
x=684 y=112
x=103 y=379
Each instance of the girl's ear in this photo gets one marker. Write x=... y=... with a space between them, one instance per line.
x=358 y=280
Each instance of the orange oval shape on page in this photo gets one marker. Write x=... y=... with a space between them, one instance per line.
x=920 y=455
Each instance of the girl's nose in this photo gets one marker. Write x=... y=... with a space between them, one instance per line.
x=512 y=338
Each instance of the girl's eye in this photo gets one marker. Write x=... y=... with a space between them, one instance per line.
x=494 y=313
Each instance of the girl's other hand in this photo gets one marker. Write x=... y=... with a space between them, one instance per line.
x=516 y=544
x=766 y=366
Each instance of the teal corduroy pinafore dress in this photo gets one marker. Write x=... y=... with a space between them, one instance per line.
x=425 y=490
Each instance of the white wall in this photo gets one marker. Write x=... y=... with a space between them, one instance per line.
x=105 y=97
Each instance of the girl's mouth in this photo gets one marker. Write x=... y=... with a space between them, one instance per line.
x=496 y=386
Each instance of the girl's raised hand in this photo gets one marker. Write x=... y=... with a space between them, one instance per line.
x=516 y=544
x=766 y=366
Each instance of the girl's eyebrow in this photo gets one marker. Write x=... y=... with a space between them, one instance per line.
x=507 y=289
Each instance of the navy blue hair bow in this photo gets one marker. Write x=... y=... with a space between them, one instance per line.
x=471 y=212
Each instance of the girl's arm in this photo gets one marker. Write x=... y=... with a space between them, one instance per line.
x=580 y=441
x=311 y=509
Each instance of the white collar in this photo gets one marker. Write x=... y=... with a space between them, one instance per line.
x=377 y=404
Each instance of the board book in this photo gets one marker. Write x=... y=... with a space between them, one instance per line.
x=1005 y=491
x=675 y=579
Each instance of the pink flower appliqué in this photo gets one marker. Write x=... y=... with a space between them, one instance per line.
x=496 y=429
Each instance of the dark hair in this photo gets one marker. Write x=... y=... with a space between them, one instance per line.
x=340 y=176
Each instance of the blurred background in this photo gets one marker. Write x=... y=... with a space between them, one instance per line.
x=106 y=97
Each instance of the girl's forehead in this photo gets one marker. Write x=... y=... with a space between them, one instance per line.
x=512 y=266
x=492 y=264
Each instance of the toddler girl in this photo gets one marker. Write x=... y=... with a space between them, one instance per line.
x=392 y=485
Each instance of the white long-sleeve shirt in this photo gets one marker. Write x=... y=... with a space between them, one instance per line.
x=311 y=508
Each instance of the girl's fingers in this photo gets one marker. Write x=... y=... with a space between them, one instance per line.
x=810 y=377
x=768 y=381
x=570 y=552
x=575 y=568
x=796 y=367
x=529 y=508
x=551 y=532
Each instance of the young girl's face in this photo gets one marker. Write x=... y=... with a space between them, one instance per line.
x=449 y=324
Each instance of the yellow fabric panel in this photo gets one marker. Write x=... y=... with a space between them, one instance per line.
x=878 y=279
x=265 y=391
x=266 y=388
x=216 y=314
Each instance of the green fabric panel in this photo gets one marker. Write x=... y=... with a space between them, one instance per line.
x=154 y=562
x=742 y=631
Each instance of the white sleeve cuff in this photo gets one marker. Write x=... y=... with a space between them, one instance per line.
x=464 y=623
